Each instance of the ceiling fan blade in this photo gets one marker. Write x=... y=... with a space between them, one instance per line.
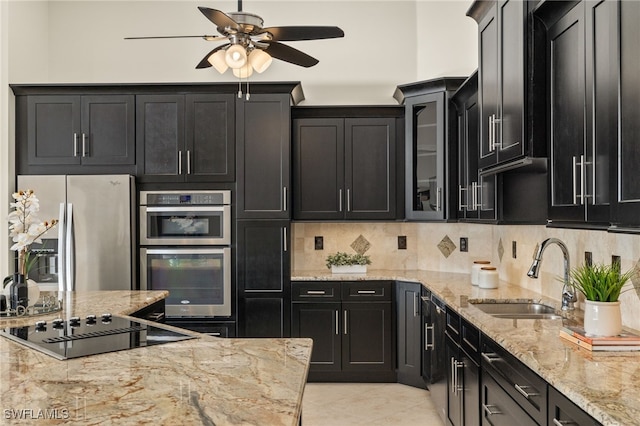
x=221 y=19
x=204 y=63
x=289 y=54
x=206 y=37
x=295 y=33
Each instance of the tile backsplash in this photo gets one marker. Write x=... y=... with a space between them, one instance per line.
x=436 y=246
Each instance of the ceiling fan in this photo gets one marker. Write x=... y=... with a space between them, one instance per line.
x=250 y=46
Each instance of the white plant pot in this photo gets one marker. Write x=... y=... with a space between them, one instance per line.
x=349 y=269
x=602 y=318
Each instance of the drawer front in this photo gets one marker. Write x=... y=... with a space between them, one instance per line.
x=453 y=325
x=525 y=387
x=470 y=340
x=366 y=291
x=315 y=291
x=497 y=407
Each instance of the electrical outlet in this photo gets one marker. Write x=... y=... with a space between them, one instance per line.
x=514 y=252
x=588 y=258
x=318 y=243
x=464 y=244
x=402 y=242
x=615 y=260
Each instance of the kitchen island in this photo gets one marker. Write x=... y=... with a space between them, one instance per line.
x=604 y=384
x=206 y=380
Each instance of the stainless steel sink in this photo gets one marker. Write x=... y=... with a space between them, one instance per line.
x=518 y=310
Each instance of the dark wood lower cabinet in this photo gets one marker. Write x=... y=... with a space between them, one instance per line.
x=564 y=412
x=352 y=327
x=499 y=409
x=263 y=274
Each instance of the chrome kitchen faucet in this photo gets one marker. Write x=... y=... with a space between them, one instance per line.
x=568 y=292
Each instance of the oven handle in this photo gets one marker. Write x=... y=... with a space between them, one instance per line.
x=185 y=209
x=188 y=251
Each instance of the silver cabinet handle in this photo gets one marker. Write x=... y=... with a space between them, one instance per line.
x=523 y=392
x=415 y=305
x=490 y=133
x=316 y=292
x=75 y=144
x=366 y=292
x=284 y=239
x=557 y=422
x=345 y=322
x=496 y=143
x=188 y=162
x=348 y=200
x=489 y=409
x=582 y=179
x=337 y=323
x=475 y=196
x=340 y=200
x=460 y=204
x=452 y=362
x=438 y=199
x=284 y=198
x=84 y=144
x=428 y=345
x=490 y=357
x=179 y=162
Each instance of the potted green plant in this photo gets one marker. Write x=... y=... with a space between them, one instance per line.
x=343 y=263
x=601 y=286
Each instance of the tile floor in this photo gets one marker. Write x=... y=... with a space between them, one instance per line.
x=371 y=404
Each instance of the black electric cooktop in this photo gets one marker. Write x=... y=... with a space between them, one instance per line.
x=79 y=337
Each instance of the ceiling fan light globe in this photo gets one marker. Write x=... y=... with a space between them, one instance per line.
x=218 y=61
x=243 y=72
x=260 y=60
x=236 y=56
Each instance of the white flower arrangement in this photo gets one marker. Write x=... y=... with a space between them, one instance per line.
x=25 y=228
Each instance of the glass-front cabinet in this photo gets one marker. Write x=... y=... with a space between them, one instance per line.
x=430 y=165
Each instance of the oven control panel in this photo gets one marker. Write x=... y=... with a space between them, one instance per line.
x=182 y=198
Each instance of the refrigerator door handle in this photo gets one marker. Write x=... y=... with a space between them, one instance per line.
x=61 y=266
x=69 y=250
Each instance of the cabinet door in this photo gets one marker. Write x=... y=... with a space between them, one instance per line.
x=438 y=384
x=567 y=88
x=509 y=130
x=367 y=337
x=454 y=380
x=488 y=82
x=160 y=137
x=628 y=155
x=53 y=130
x=409 y=334
x=108 y=130
x=263 y=156
x=263 y=278
x=318 y=167
x=210 y=138
x=370 y=158
x=320 y=322
x=470 y=391
x=425 y=157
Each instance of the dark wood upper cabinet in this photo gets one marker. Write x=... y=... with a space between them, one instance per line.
x=626 y=190
x=477 y=198
x=508 y=76
x=344 y=165
x=263 y=134
x=73 y=130
x=581 y=46
x=186 y=137
x=430 y=148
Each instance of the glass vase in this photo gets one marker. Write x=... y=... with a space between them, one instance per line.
x=18 y=293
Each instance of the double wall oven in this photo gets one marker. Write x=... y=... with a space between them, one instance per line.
x=185 y=248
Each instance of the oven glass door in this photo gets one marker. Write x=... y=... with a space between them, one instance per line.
x=198 y=280
x=209 y=225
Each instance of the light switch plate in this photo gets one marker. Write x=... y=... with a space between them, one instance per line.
x=464 y=244
x=402 y=242
x=318 y=243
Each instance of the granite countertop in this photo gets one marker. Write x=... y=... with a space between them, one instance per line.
x=199 y=381
x=604 y=384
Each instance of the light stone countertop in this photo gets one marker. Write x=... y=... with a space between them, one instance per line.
x=605 y=385
x=207 y=380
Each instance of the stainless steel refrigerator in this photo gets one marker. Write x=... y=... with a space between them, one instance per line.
x=93 y=246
